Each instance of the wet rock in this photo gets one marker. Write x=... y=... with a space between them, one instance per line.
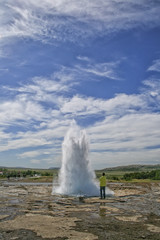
x=30 y=212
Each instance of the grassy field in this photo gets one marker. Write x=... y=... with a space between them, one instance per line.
x=42 y=179
x=110 y=174
x=47 y=175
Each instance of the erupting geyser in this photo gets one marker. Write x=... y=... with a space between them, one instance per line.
x=76 y=176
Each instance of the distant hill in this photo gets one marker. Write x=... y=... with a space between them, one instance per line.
x=129 y=168
x=14 y=167
x=25 y=168
x=52 y=168
x=136 y=168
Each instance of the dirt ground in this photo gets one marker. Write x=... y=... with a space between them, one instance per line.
x=30 y=212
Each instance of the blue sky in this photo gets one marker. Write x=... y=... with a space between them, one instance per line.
x=97 y=62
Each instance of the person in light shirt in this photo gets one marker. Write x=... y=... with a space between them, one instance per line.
x=102 y=181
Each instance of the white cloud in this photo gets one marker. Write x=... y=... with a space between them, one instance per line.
x=101 y=160
x=72 y=20
x=120 y=126
x=24 y=142
x=27 y=103
x=35 y=161
x=29 y=154
x=132 y=131
x=155 y=66
x=132 y=139
x=119 y=105
x=87 y=71
x=21 y=110
x=151 y=93
x=38 y=114
x=83 y=58
x=107 y=70
x=40 y=85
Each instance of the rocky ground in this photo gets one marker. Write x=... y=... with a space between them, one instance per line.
x=30 y=212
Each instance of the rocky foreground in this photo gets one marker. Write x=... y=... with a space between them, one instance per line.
x=29 y=211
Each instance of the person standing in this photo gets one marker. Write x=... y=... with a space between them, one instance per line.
x=102 y=181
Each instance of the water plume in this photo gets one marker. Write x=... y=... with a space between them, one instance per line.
x=76 y=176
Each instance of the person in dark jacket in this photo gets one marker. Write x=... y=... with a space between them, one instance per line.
x=102 y=181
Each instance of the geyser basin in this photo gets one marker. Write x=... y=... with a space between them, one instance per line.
x=76 y=176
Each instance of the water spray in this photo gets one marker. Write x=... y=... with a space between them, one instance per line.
x=76 y=176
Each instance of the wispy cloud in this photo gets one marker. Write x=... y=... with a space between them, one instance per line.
x=20 y=110
x=30 y=154
x=35 y=161
x=63 y=20
x=151 y=93
x=36 y=117
x=124 y=118
x=125 y=139
x=55 y=88
x=155 y=66
x=36 y=111
x=83 y=58
x=118 y=106
x=106 y=70
x=87 y=69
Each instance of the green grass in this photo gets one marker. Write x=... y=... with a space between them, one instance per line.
x=43 y=179
x=47 y=175
x=111 y=174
